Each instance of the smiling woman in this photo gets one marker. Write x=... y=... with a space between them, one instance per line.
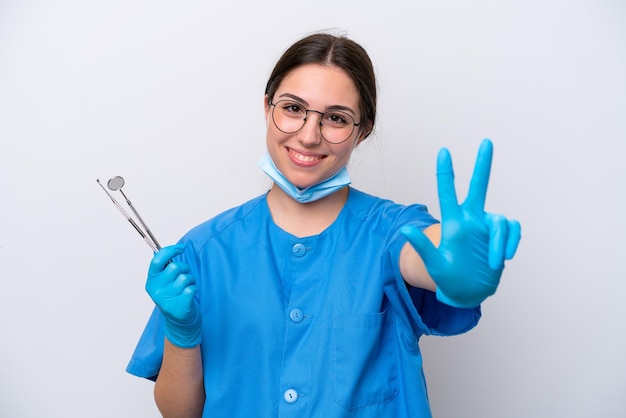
x=305 y=155
x=320 y=312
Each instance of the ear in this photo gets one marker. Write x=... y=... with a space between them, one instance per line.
x=363 y=134
x=267 y=107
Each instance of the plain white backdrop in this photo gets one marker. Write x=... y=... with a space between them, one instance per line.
x=169 y=96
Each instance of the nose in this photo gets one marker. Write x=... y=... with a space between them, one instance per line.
x=311 y=133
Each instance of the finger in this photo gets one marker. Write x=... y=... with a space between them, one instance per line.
x=164 y=257
x=171 y=280
x=175 y=268
x=182 y=282
x=477 y=193
x=445 y=185
x=514 y=236
x=190 y=291
x=422 y=244
x=498 y=232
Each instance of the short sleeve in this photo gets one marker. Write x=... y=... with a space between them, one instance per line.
x=148 y=355
x=429 y=315
x=439 y=318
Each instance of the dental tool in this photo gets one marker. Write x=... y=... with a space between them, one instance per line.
x=115 y=184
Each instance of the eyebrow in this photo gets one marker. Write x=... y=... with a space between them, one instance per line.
x=329 y=108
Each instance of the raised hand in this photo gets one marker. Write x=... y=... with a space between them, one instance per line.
x=467 y=265
x=172 y=289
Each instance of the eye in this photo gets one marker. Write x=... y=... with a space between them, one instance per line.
x=292 y=108
x=337 y=118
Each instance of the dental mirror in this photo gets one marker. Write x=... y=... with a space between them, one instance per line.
x=115 y=183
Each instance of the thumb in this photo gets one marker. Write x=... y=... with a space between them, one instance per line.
x=162 y=258
x=422 y=244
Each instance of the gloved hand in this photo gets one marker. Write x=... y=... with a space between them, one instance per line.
x=467 y=265
x=172 y=289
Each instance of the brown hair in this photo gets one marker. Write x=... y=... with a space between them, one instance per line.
x=339 y=51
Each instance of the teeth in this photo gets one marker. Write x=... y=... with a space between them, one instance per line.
x=304 y=158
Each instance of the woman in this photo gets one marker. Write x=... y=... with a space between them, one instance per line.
x=309 y=301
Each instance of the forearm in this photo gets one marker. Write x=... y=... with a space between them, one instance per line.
x=179 y=389
x=412 y=266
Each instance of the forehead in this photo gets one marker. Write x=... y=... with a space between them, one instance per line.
x=320 y=85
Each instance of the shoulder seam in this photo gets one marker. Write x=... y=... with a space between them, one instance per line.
x=229 y=224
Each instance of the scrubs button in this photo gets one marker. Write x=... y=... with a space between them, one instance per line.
x=290 y=396
x=299 y=250
x=296 y=315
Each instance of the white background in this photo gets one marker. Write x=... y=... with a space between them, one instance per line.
x=169 y=95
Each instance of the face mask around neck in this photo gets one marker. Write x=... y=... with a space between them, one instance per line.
x=310 y=194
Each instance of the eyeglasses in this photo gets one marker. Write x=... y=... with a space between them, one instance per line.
x=336 y=126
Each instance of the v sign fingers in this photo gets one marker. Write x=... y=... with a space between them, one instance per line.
x=468 y=263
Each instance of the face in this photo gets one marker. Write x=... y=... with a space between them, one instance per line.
x=304 y=157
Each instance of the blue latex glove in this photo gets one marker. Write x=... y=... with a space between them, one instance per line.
x=172 y=289
x=467 y=265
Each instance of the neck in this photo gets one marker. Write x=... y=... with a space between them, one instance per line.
x=305 y=219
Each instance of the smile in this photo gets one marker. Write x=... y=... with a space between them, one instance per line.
x=305 y=159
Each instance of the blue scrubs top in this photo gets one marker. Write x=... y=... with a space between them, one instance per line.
x=321 y=326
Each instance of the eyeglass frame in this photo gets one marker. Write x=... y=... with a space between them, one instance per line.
x=306 y=116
